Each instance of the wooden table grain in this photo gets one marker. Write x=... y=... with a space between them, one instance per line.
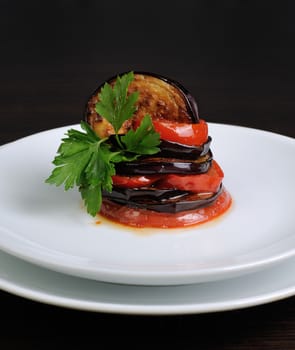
x=237 y=59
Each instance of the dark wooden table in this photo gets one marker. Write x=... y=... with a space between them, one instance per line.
x=236 y=58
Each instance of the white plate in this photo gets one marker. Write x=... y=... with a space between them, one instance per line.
x=44 y=225
x=33 y=282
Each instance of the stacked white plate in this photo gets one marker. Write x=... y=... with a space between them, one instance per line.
x=52 y=251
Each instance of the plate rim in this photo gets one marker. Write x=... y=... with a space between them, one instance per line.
x=46 y=297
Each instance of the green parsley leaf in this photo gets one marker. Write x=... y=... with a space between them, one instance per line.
x=72 y=160
x=114 y=104
x=92 y=198
x=100 y=168
x=144 y=140
x=86 y=161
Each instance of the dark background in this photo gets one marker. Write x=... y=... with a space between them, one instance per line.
x=236 y=58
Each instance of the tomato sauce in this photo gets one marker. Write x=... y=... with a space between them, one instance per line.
x=141 y=218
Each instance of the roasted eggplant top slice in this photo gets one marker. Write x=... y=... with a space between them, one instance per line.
x=159 y=97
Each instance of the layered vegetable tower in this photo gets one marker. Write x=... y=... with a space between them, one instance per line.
x=178 y=184
x=143 y=156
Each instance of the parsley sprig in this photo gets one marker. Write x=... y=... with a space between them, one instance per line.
x=87 y=161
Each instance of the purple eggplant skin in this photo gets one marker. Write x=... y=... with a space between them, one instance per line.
x=174 y=205
x=170 y=149
x=151 y=166
x=144 y=194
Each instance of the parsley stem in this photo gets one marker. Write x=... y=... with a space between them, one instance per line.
x=119 y=141
x=102 y=140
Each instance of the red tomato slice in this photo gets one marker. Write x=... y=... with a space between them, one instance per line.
x=148 y=218
x=184 y=133
x=208 y=182
x=134 y=181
